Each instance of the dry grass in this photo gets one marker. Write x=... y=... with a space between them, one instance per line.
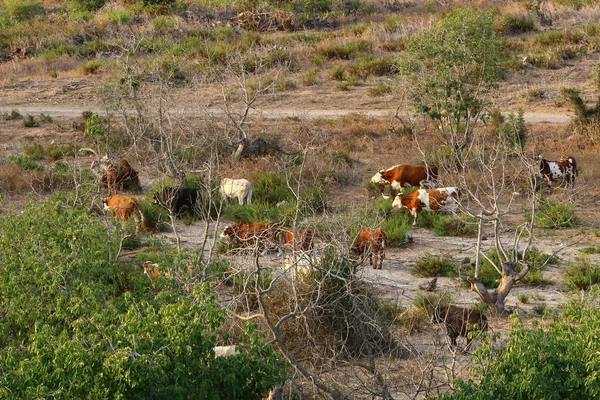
x=13 y=180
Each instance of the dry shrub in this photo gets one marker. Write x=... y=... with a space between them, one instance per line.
x=15 y=180
x=357 y=133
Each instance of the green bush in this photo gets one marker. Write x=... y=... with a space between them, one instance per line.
x=511 y=24
x=87 y=5
x=69 y=311
x=536 y=259
x=25 y=163
x=555 y=359
x=430 y=265
x=91 y=67
x=428 y=301
x=552 y=214
x=581 y=274
x=21 y=10
x=271 y=188
x=30 y=122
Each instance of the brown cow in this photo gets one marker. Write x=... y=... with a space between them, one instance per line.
x=400 y=175
x=112 y=173
x=123 y=207
x=152 y=270
x=459 y=321
x=297 y=239
x=425 y=199
x=250 y=234
x=564 y=170
x=370 y=242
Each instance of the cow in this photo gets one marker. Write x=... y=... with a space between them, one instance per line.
x=400 y=175
x=123 y=208
x=176 y=199
x=240 y=188
x=425 y=199
x=370 y=242
x=562 y=170
x=250 y=234
x=459 y=321
x=112 y=173
x=153 y=270
x=297 y=239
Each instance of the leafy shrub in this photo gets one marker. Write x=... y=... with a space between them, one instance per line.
x=430 y=265
x=35 y=151
x=30 y=122
x=511 y=24
x=58 y=304
x=534 y=257
x=21 y=10
x=271 y=188
x=91 y=67
x=310 y=77
x=523 y=298
x=379 y=89
x=552 y=214
x=581 y=274
x=395 y=225
x=560 y=356
x=25 y=163
x=87 y=5
x=11 y=116
x=119 y=17
x=428 y=301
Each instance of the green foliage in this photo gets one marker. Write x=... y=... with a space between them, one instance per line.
x=513 y=24
x=430 y=265
x=11 y=116
x=581 y=274
x=552 y=214
x=30 y=122
x=379 y=89
x=523 y=298
x=53 y=151
x=271 y=188
x=345 y=51
x=25 y=163
x=395 y=225
x=557 y=359
x=87 y=5
x=69 y=312
x=453 y=65
x=445 y=224
x=513 y=133
x=21 y=10
x=428 y=301
x=90 y=67
x=94 y=125
x=534 y=257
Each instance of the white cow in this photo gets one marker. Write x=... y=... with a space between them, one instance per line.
x=240 y=188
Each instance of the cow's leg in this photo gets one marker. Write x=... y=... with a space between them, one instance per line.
x=240 y=199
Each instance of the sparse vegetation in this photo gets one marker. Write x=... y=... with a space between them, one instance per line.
x=581 y=274
x=431 y=265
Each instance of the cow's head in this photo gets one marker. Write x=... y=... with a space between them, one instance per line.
x=228 y=233
x=378 y=178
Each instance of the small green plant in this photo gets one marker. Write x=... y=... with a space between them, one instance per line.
x=581 y=274
x=21 y=10
x=11 y=116
x=342 y=86
x=310 y=77
x=25 y=163
x=379 y=89
x=523 y=298
x=430 y=265
x=540 y=308
x=338 y=73
x=35 y=151
x=428 y=301
x=119 y=17
x=91 y=67
x=513 y=24
x=30 y=122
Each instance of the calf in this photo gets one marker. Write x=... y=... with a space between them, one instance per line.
x=176 y=200
x=123 y=208
x=236 y=188
x=425 y=199
x=562 y=170
x=297 y=239
x=250 y=234
x=370 y=242
x=400 y=175
x=459 y=321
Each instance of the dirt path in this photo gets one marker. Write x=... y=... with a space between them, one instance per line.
x=268 y=113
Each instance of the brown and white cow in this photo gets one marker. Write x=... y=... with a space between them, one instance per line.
x=370 y=242
x=123 y=208
x=250 y=234
x=297 y=239
x=425 y=199
x=562 y=170
x=400 y=175
x=236 y=188
x=153 y=270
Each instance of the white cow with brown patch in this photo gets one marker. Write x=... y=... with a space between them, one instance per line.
x=425 y=199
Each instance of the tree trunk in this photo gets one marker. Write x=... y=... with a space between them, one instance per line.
x=497 y=297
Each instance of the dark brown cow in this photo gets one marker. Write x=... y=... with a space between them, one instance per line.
x=459 y=321
x=563 y=170
x=370 y=242
x=123 y=208
x=112 y=172
x=400 y=175
x=425 y=199
x=297 y=239
x=250 y=234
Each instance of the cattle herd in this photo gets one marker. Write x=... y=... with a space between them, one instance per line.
x=370 y=242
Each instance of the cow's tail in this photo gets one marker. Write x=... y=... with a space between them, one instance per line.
x=249 y=196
